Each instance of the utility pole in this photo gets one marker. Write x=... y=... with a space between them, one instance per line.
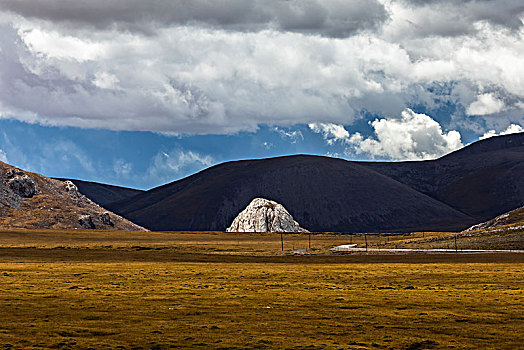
x=309 y=243
x=366 y=238
x=456 y=248
x=282 y=240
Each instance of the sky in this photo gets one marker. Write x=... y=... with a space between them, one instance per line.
x=144 y=92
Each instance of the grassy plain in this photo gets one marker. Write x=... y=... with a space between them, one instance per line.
x=64 y=289
x=508 y=237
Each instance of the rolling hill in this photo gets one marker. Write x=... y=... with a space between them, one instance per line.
x=482 y=180
x=322 y=194
x=454 y=192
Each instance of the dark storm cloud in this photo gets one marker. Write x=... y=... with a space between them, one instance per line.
x=506 y=13
x=227 y=66
x=332 y=18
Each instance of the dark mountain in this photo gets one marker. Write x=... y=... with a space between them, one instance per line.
x=483 y=180
x=323 y=194
x=101 y=193
x=471 y=185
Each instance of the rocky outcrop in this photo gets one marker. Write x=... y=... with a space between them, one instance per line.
x=102 y=221
x=106 y=219
x=86 y=222
x=71 y=189
x=8 y=198
x=23 y=186
x=20 y=183
x=32 y=201
x=264 y=215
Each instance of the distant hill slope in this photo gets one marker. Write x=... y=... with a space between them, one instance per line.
x=510 y=218
x=102 y=193
x=468 y=186
x=483 y=180
x=29 y=200
x=323 y=194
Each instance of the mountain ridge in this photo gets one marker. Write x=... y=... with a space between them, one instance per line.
x=213 y=197
x=445 y=194
x=482 y=180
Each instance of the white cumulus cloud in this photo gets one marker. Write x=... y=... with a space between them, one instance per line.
x=485 y=104
x=331 y=132
x=512 y=129
x=56 y=45
x=412 y=137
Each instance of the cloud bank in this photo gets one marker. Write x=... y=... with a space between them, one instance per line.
x=332 y=18
x=220 y=67
x=413 y=136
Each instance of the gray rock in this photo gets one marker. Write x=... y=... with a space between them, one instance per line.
x=71 y=189
x=106 y=219
x=86 y=221
x=22 y=185
x=264 y=215
x=9 y=174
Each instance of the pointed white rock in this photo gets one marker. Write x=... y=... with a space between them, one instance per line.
x=264 y=215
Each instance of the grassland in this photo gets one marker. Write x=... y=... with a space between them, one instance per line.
x=507 y=237
x=96 y=289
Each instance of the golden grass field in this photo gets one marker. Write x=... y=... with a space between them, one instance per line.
x=121 y=290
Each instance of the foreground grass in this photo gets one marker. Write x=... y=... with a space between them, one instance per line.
x=118 y=295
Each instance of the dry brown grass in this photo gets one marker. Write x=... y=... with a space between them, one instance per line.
x=194 y=242
x=114 y=290
x=498 y=238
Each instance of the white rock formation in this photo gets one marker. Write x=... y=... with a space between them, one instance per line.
x=263 y=215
